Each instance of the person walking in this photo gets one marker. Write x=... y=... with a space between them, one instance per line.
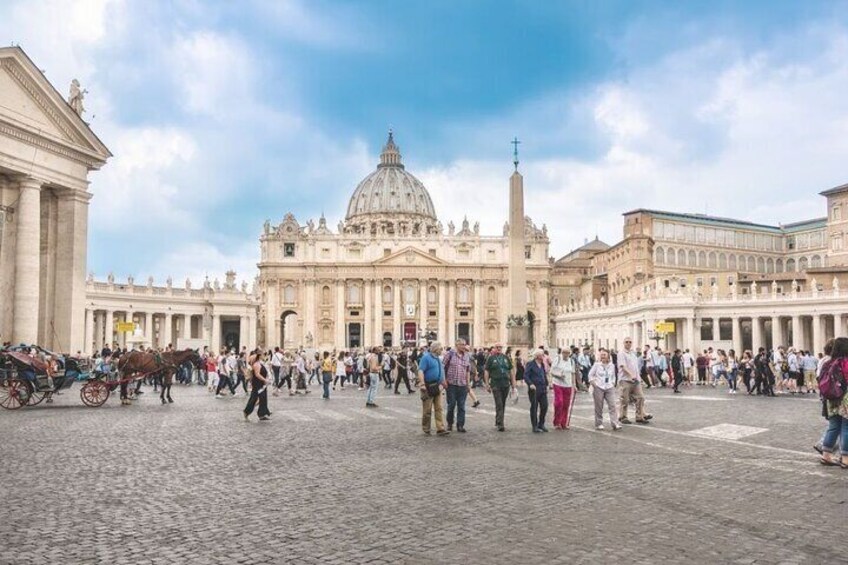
x=602 y=377
x=327 y=368
x=403 y=371
x=630 y=385
x=276 y=366
x=536 y=377
x=458 y=372
x=341 y=369
x=763 y=375
x=431 y=380
x=258 y=389
x=374 y=366
x=677 y=363
x=499 y=376
x=836 y=409
x=563 y=371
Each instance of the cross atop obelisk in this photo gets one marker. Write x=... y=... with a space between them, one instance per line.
x=515 y=144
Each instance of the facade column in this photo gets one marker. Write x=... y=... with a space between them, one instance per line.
x=340 y=317
x=272 y=320
x=397 y=330
x=544 y=318
x=451 y=335
x=148 y=329
x=442 y=301
x=167 y=331
x=27 y=262
x=422 y=306
x=70 y=259
x=88 y=342
x=98 y=331
x=378 y=312
x=776 y=333
x=309 y=309
x=818 y=342
x=797 y=332
x=367 y=328
x=735 y=324
x=216 y=333
x=756 y=334
x=477 y=329
x=243 y=331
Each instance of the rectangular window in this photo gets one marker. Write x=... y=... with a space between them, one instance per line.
x=432 y=252
x=749 y=240
x=679 y=232
x=387 y=313
x=463 y=253
x=528 y=252
x=354 y=253
x=836 y=243
x=700 y=234
x=387 y=252
x=325 y=252
x=288 y=250
x=707 y=329
x=725 y=329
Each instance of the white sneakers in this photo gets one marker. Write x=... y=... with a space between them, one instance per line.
x=600 y=427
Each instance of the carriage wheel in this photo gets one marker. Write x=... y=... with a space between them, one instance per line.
x=94 y=393
x=35 y=398
x=13 y=394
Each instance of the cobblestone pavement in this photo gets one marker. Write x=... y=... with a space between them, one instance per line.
x=332 y=482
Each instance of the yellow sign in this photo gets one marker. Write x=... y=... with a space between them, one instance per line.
x=664 y=327
x=125 y=327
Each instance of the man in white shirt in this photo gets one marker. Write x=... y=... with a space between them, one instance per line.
x=630 y=385
x=276 y=364
x=688 y=366
x=602 y=378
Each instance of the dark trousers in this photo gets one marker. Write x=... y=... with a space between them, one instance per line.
x=678 y=378
x=225 y=381
x=403 y=376
x=326 y=379
x=456 y=401
x=538 y=407
x=500 y=394
x=261 y=397
x=276 y=370
x=337 y=378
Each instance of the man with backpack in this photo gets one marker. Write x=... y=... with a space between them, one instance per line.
x=832 y=388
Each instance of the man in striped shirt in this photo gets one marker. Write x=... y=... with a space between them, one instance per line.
x=457 y=371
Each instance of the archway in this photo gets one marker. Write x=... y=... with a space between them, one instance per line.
x=531 y=323
x=288 y=330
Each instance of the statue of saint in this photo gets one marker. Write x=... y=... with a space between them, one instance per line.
x=76 y=96
x=451 y=228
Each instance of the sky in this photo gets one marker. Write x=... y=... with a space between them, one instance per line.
x=221 y=115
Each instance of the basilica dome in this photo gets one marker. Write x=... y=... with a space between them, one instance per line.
x=390 y=191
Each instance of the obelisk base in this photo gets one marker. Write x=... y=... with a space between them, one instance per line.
x=519 y=337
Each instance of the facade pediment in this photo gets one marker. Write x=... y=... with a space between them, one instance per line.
x=34 y=112
x=410 y=256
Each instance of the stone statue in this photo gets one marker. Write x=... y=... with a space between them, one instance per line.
x=451 y=228
x=308 y=339
x=267 y=226
x=90 y=278
x=476 y=228
x=76 y=96
x=310 y=226
x=814 y=286
x=169 y=282
x=130 y=280
x=188 y=284
x=835 y=286
x=774 y=289
x=217 y=285
x=149 y=282
x=110 y=278
x=341 y=227
x=244 y=287
x=206 y=283
x=754 y=289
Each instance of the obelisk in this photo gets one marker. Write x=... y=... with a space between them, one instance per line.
x=518 y=329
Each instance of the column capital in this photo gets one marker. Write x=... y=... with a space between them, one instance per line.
x=30 y=182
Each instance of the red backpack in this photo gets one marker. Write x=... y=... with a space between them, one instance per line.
x=832 y=383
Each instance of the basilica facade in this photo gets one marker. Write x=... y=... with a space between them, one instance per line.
x=391 y=273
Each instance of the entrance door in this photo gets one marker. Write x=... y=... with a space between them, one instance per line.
x=387 y=339
x=354 y=335
x=463 y=331
x=410 y=331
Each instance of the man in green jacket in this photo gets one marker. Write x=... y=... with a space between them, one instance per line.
x=499 y=376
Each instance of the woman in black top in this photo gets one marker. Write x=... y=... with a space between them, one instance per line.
x=403 y=363
x=258 y=389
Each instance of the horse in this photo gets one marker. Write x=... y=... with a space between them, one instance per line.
x=156 y=364
x=173 y=361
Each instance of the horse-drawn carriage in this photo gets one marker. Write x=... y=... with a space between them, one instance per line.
x=30 y=375
x=26 y=379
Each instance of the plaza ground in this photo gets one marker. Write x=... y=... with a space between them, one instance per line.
x=716 y=479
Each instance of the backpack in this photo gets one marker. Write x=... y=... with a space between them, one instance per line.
x=832 y=384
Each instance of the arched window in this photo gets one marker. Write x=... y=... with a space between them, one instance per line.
x=712 y=263
x=387 y=294
x=732 y=263
x=722 y=261
x=815 y=262
x=325 y=295
x=431 y=295
x=778 y=266
x=409 y=294
x=492 y=333
x=288 y=294
x=802 y=264
x=325 y=332
x=681 y=257
x=702 y=259
x=770 y=265
x=670 y=257
x=693 y=259
x=761 y=265
x=752 y=263
x=790 y=265
x=491 y=295
x=659 y=256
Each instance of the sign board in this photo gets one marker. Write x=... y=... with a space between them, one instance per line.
x=125 y=327
x=664 y=327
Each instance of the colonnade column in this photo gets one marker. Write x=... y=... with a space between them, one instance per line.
x=88 y=341
x=167 y=333
x=368 y=330
x=27 y=261
x=243 y=332
x=776 y=333
x=109 y=329
x=378 y=312
x=148 y=328
x=797 y=332
x=216 y=333
x=98 y=330
x=756 y=334
x=340 y=310
x=818 y=342
x=735 y=324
